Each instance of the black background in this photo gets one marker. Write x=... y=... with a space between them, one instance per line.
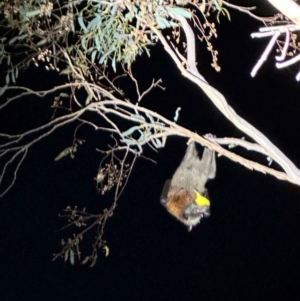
x=247 y=250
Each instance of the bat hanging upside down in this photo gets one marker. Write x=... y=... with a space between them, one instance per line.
x=185 y=196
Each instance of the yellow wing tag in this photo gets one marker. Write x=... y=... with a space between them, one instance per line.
x=201 y=200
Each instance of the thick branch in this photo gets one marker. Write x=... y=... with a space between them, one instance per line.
x=289 y=8
x=220 y=102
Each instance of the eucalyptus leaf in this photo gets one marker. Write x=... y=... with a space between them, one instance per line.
x=64 y=94
x=66 y=71
x=157 y=143
x=179 y=11
x=13 y=40
x=22 y=37
x=64 y=153
x=97 y=42
x=7 y=79
x=173 y=24
x=94 y=260
x=150 y=117
x=89 y=97
x=3 y=89
x=144 y=135
x=103 y=57
x=128 y=141
x=147 y=51
x=129 y=16
x=66 y=255
x=86 y=259
x=130 y=131
x=162 y=22
x=72 y=257
x=95 y=23
x=42 y=42
x=216 y=3
x=17 y=72
x=81 y=23
x=138 y=117
x=13 y=79
x=113 y=64
x=31 y=14
x=93 y=55
x=83 y=44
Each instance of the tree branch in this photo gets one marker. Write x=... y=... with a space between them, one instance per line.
x=293 y=173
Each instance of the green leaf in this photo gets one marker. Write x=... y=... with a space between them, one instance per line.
x=158 y=143
x=64 y=153
x=66 y=71
x=93 y=55
x=83 y=43
x=95 y=23
x=13 y=40
x=179 y=11
x=13 y=77
x=64 y=95
x=173 y=24
x=128 y=141
x=72 y=27
x=162 y=22
x=130 y=131
x=72 y=257
x=144 y=136
x=113 y=64
x=89 y=97
x=97 y=42
x=150 y=117
x=135 y=9
x=103 y=57
x=147 y=51
x=22 y=37
x=17 y=72
x=86 y=259
x=224 y=12
x=66 y=255
x=42 y=42
x=216 y=3
x=227 y=13
x=129 y=16
x=81 y=23
x=7 y=79
x=136 y=116
x=31 y=14
x=3 y=89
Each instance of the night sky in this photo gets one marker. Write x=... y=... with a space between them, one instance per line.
x=248 y=249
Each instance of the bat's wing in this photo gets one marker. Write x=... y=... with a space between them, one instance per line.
x=208 y=163
x=164 y=193
x=191 y=154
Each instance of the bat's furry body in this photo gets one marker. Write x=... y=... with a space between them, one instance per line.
x=179 y=194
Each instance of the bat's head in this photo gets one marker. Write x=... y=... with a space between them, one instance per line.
x=196 y=210
x=189 y=208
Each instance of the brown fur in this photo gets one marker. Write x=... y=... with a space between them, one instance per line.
x=178 y=201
